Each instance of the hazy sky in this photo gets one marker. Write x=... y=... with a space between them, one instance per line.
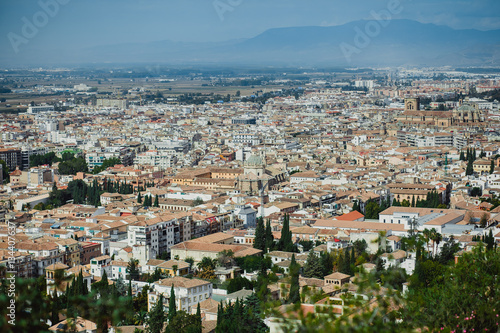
x=82 y=23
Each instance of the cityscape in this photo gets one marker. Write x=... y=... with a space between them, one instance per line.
x=249 y=166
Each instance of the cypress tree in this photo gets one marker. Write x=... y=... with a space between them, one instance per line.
x=353 y=261
x=492 y=166
x=294 y=296
x=462 y=156
x=157 y=204
x=172 y=310
x=260 y=235
x=269 y=236
x=198 y=319
x=139 y=197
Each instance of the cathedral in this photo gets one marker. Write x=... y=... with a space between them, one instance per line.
x=466 y=114
x=256 y=174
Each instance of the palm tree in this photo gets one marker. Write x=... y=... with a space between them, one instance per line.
x=225 y=258
x=437 y=239
x=427 y=236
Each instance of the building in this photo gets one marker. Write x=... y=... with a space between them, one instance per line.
x=156 y=234
x=188 y=292
x=39 y=109
x=12 y=157
x=112 y=103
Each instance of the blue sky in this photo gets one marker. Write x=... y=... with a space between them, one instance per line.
x=84 y=23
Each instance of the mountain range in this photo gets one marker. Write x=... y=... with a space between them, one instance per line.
x=355 y=44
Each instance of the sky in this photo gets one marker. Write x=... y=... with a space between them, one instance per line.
x=87 y=23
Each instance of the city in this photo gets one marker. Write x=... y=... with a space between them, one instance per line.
x=217 y=197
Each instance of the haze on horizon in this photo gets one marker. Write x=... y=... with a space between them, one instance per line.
x=85 y=24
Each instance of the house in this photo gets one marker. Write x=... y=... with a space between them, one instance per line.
x=393 y=259
x=337 y=279
x=208 y=309
x=188 y=292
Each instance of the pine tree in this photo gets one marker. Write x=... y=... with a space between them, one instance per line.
x=260 y=235
x=269 y=236
x=294 y=296
x=313 y=268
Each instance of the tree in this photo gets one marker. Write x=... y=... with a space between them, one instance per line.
x=139 y=198
x=484 y=220
x=312 y=268
x=198 y=201
x=156 y=317
x=260 y=235
x=462 y=156
x=455 y=288
x=372 y=210
x=294 y=296
x=133 y=269
x=108 y=162
x=5 y=171
x=172 y=307
x=156 y=204
x=238 y=284
x=355 y=206
x=492 y=166
x=469 y=170
x=269 y=236
x=285 y=242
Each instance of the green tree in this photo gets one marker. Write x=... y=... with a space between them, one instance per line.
x=198 y=201
x=156 y=317
x=260 y=235
x=492 y=166
x=313 y=268
x=133 y=269
x=108 y=162
x=294 y=296
x=269 y=236
x=139 y=198
x=172 y=307
x=156 y=204
x=5 y=172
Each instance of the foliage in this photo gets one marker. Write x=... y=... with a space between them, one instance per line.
x=184 y=322
x=313 y=268
x=156 y=317
x=198 y=201
x=108 y=162
x=133 y=269
x=71 y=167
x=238 y=284
x=241 y=316
x=42 y=159
x=460 y=297
x=5 y=171
x=285 y=243
x=294 y=295
x=260 y=235
x=269 y=236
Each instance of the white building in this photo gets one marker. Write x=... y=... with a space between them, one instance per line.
x=156 y=234
x=188 y=292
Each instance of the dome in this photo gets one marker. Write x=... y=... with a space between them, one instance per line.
x=254 y=160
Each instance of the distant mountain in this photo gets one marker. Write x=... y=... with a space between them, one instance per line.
x=360 y=43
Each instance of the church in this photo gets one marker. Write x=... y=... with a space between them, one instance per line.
x=467 y=114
